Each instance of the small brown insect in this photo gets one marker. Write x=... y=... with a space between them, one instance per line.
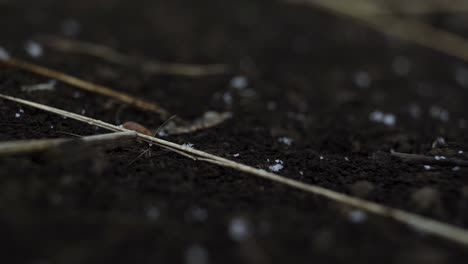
x=143 y=130
x=137 y=128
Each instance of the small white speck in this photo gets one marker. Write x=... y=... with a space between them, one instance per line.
x=239 y=82
x=21 y=110
x=401 y=66
x=460 y=152
x=389 y=120
x=162 y=133
x=346 y=158
x=83 y=111
x=71 y=28
x=238 y=229
x=4 y=55
x=49 y=86
x=187 y=145
x=439 y=113
x=285 y=140
x=301 y=173
x=51 y=127
x=321 y=157
x=439 y=158
x=427 y=167
x=153 y=213
x=196 y=254
x=415 y=111
x=376 y=116
x=34 y=49
x=357 y=216
x=384 y=118
x=236 y=155
x=439 y=142
x=456 y=168
x=275 y=168
x=227 y=98
x=362 y=79
x=17 y=115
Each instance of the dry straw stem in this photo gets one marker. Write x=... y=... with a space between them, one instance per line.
x=407 y=29
x=436 y=228
x=405 y=7
x=180 y=126
x=82 y=84
x=147 y=66
x=38 y=145
x=421 y=159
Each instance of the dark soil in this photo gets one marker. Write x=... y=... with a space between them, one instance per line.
x=78 y=204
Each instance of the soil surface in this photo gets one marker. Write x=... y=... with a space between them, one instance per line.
x=326 y=96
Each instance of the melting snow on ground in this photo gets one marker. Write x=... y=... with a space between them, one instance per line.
x=439 y=113
x=357 y=216
x=187 y=145
x=415 y=111
x=238 y=229
x=384 y=118
x=277 y=166
x=34 y=49
x=239 y=82
x=362 y=79
x=285 y=140
x=4 y=55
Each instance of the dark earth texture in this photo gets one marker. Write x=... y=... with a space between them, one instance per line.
x=313 y=77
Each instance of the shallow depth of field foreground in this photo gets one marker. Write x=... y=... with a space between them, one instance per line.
x=251 y=131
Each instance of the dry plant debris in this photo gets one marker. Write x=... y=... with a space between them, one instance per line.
x=208 y=120
x=146 y=66
x=82 y=84
x=433 y=227
x=409 y=29
x=38 y=145
x=436 y=160
x=179 y=125
x=130 y=125
x=49 y=86
x=414 y=7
